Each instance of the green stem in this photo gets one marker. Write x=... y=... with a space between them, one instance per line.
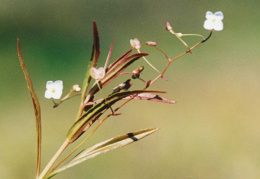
x=84 y=141
x=198 y=35
x=64 y=99
x=54 y=158
x=184 y=43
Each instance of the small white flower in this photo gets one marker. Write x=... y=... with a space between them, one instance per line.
x=214 y=21
x=135 y=43
x=97 y=74
x=54 y=89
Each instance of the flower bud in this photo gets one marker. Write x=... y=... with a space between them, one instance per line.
x=179 y=34
x=150 y=43
x=135 y=43
x=76 y=88
x=168 y=26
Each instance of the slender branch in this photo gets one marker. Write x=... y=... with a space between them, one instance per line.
x=163 y=53
x=182 y=41
x=149 y=62
x=166 y=67
x=64 y=99
x=207 y=37
x=198 y=35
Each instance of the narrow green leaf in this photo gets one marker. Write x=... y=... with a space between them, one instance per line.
x=93 y=61
x=36 y=106
x=106 y=146
x=88 y=118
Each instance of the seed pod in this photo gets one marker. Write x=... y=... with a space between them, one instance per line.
x=168 y=26
x=137 y=71
x=150 y=43
x=125 y=86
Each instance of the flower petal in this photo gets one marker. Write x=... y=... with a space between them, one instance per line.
x=58 y=85
x=208 y=24
x=209 y=15
x=57 y=94
x=93 y=72
x=48 y=94
x=49 y=85
x=218 y=26
x=100 y=73
x=219 y=15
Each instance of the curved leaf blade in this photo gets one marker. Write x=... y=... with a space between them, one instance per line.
x=106 y=146
x=36 y=106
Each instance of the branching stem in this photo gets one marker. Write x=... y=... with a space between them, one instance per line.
x=54 y=158
x=66 y=143
x=84 y=141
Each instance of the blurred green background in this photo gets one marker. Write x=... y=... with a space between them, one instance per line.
x=212 y=132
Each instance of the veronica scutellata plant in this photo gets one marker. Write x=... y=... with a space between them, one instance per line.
x=92 y=109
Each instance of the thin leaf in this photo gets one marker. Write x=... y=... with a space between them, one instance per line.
x=142 y=96
x=36 y=106
x=87 y=119
x=109 y=55
x=120 y=58
x=106 y=146
x=152 y=97
x=120 y=66
x=93 y=61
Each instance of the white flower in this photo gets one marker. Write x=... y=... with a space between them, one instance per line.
x=214 y=21
x=135 y=43
x=97 y=74
x=54 y=89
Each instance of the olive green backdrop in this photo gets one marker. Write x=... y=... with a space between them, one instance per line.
x=212 y=132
